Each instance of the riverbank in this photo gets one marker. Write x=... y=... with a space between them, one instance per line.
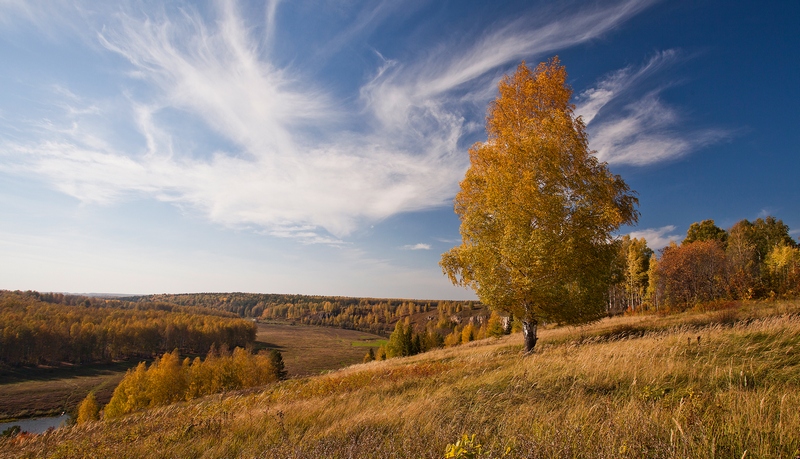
x=34 y=392
x=37 y=425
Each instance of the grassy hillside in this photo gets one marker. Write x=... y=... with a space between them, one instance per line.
x=626 y=387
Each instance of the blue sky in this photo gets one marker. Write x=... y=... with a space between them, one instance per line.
x=315 y=146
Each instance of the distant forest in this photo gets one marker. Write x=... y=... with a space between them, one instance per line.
x=374 y=315
x=50 y=328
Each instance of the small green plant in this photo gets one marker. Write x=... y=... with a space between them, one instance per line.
x=466 y=448
x=12 y=431
x=469 y=448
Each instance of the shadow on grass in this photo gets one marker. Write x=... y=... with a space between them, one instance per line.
x=259 y=345
x=13 y=375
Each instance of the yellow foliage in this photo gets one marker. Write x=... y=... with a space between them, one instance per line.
x=88 y=410
x=537 y=209
x=453 y=339
x=468 y=333
x=167 y=380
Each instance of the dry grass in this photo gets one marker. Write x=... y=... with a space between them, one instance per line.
x=587 y=392
x=309 y=350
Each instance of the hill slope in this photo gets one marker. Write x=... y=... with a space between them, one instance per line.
x=625 y=387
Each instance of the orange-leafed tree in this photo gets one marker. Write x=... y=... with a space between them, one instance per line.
x=693 y=273
x=537 y=208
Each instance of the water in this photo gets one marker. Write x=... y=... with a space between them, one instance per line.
x=37 y=425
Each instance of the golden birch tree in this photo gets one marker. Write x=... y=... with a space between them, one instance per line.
x=537 y=209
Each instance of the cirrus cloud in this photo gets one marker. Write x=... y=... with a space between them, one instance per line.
x=640 y=129
x=220 y=127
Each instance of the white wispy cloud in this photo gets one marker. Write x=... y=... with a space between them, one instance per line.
x=419 y=246
x=592 y=100
x=640 y=129
x=399 y=88
x=658 y=238
x=284 y=162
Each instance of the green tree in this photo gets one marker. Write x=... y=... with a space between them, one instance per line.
x=400 y=341
x=276 y=359
x=706 y=231
x=537 y=209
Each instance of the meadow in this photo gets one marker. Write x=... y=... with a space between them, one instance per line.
x=309 y=350
x=633 y=386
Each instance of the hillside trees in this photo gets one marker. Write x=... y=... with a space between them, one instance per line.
x=373 y=315
x=88 y=410
x=43 y=328
x=537 y=209
x=168 y=379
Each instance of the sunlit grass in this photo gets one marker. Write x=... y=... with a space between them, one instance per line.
x=638 y=386
x=370 y=343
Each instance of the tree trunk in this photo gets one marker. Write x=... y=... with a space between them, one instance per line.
x=529 y=334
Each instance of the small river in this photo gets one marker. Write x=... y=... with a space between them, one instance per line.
x=37 y=425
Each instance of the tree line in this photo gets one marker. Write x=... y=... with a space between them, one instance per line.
x=372 y=315
x=169 y=379
x=42 y=328
x=750 y=260
x=411 y=339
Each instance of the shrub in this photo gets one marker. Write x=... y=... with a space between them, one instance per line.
x=88 y=410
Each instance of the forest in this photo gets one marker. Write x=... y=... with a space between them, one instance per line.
x=45 y=328
x=372 y=315
x=750 y=260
